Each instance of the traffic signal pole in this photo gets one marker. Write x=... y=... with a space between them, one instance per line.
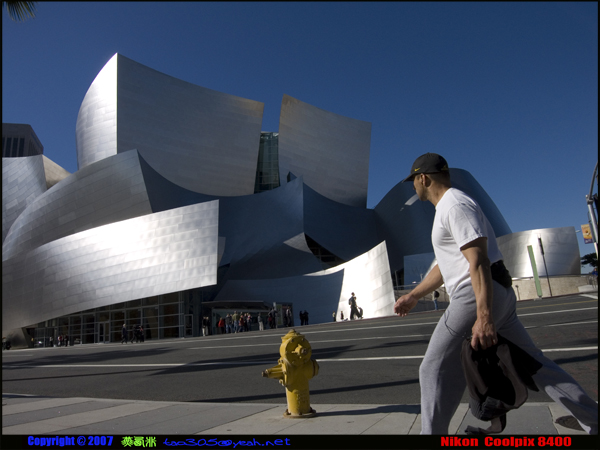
x=590 y=203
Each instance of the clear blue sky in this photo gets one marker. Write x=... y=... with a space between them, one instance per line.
x=507 y=91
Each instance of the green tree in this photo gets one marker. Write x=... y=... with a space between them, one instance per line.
x=20 y=11
x=591 y=259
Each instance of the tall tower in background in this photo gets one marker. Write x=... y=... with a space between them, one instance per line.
x=20 y=140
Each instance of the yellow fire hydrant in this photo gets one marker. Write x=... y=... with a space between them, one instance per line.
x=293 y=371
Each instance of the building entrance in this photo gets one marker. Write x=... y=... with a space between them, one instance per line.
x=189 y=325
x=104 y=332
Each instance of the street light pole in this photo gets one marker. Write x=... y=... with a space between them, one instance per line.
x=545 y=266
x=590 y=204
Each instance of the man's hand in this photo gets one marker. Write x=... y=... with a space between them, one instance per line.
x=404 y=304
x=484 y=333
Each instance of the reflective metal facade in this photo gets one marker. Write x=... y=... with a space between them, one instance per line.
x=136 y=258
x=107 y=191
x=96 y=127
x=321 y=293
x=561 y=252
x=331 y=152
x=54 y=173
x=164 y=202
x=23 y=180
x=200 y=139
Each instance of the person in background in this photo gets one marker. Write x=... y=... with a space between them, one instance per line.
x=124 y=335
x=261 y=324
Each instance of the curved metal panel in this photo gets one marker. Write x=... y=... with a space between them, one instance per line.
x=104 y=192
x=319 y=295
x=286 y=259
x=203 y=140
x=151 y=255
x=561 y=252
x=96 y=127
x=346 y=231
x=262 y=233
x=369 y=277
x=249 y=224
x=54 y=172
x=324 y=292
x=406 y=228
x=253 y=223
x=331 y=152
x=23 y=180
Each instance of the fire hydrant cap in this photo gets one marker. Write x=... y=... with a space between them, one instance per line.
x=295 y=348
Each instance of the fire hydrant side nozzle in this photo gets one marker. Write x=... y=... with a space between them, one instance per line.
x=294 y=369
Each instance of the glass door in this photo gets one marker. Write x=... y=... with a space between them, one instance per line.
x=189 y=325
x=104 y=332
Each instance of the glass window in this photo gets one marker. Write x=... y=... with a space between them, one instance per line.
x=88 y=324
x=21 y=146
x=166 y=310
x=133 y=304
x=170 y=298
x=150 y=333
x=63 y=325
x=150 y=321
x=170 y=321
x=115 y=336
x=75 y=329
x=117 y=319
x=151 y=300
x=134 y=316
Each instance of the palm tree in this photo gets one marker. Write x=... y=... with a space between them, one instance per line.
x=20 y=11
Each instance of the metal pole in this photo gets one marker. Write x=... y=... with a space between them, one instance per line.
x=545 y=266
x=590 y=204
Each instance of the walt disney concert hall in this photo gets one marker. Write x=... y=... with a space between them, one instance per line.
x=182 y=208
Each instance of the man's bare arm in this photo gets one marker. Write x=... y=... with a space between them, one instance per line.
x=432 y=281
x=484 y=330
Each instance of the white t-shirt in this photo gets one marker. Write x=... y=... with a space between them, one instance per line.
x=458 y=221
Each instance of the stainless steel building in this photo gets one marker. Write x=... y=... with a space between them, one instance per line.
x=181 y=208
x=555 y=250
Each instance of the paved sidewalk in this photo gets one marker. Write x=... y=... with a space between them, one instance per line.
x=33 y=415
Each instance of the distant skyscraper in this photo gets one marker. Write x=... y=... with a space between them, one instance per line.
x=20 y=140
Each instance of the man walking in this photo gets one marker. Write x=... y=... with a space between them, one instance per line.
x=353 y=309
x=124 y=334
x=482 y=302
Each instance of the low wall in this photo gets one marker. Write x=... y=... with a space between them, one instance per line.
x=561 y=285
x=524 y=289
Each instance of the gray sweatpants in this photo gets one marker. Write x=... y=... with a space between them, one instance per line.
x=441 y=375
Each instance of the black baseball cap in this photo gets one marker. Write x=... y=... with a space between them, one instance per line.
x=427 y=163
